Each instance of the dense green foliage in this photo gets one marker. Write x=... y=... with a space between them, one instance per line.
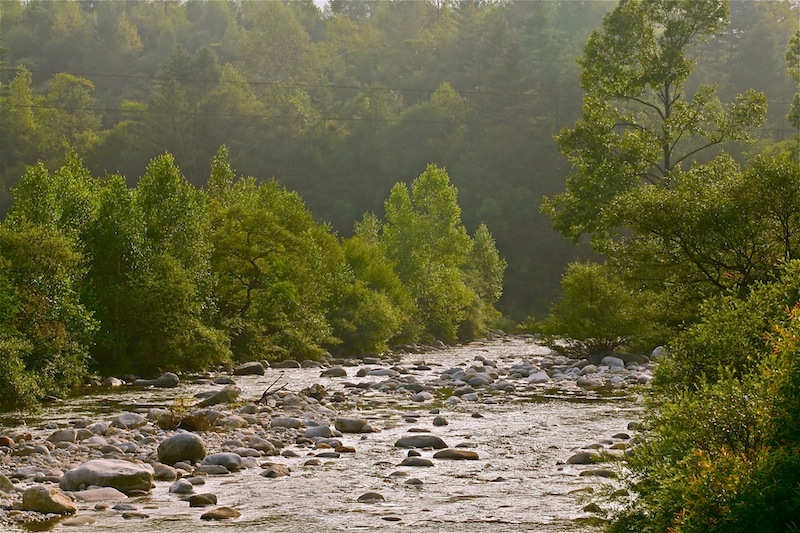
x=340 y=104
x=702 y=245
x=597 y=312
x=97 y=276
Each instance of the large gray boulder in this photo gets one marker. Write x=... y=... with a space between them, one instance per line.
x=181 y=447
x=231 y=461
x=122 y=475
x=42 y=499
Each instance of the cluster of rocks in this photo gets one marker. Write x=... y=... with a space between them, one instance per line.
x=483 y=377
x=100 y=466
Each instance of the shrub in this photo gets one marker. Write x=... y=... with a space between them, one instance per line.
x=596 y=312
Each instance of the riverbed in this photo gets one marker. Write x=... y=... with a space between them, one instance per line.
x=520 y=482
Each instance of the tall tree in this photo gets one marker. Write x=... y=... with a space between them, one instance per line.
x=639 y=124
x=425 y=238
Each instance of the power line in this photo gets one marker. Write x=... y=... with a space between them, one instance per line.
x=267 y=116
x=87 y=75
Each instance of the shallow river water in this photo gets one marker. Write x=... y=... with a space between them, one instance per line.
x=518 y=484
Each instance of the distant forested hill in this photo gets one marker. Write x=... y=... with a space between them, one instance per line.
x=340 y=104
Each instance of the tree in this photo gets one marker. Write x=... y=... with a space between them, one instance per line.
x=639 y=123
x=425 y=239
x=170 y=295
x=19 y=138
x=271 y=261
x=45 y=331
x=65 y=116
x=793 y=67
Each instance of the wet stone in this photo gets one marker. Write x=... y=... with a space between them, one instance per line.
x=221 y=513
x=370 y=497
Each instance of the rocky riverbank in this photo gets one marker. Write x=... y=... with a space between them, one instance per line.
x=407 y=410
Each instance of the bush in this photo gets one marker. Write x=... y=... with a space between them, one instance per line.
x=731 y=332
x=596 y=312
x=724 y=454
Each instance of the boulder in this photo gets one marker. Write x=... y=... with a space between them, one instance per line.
x=352 y=425
x=421 y=441
x=227 y=395
x=416 y=461
x=288 y=363
x=253 y=368
x=318 y=431
x=122 y=475
x=42 y=499
x=538 y=376
x=584 y=458
x=286 y=422
x=334 y=372
x=276 y=470
x=456 y=454
x=612 y=362
x=202 y=500
x=6 y=485
x=182 y=486
x=63 y=435
x=129 y=421
x=231 y=461
x=99 y=495
x=221 y=513
x=371 y=497
x=181 y=447
x=168 y=380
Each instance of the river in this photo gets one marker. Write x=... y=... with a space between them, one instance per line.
x=519 y=483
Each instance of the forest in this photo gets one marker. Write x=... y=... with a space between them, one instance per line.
x=339 y=105
x=190 y=183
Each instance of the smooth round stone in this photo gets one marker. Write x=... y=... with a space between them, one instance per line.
x=423 y=396
x=421 y=441
x=413 y=481
x=253 y=368
x=182 y=486
x=213 y=469
x=352 y=425
x=181 y=447
x=583 y=458
x=129 y=421
x=458 y=455
x=318 y=431
x=63 y=435
x=371 y=497
x=202 y=500
x=416 y=461
x=539 y=376
x=221 y=513
x=286 y=422
x=334 y=372
x=231 y=461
